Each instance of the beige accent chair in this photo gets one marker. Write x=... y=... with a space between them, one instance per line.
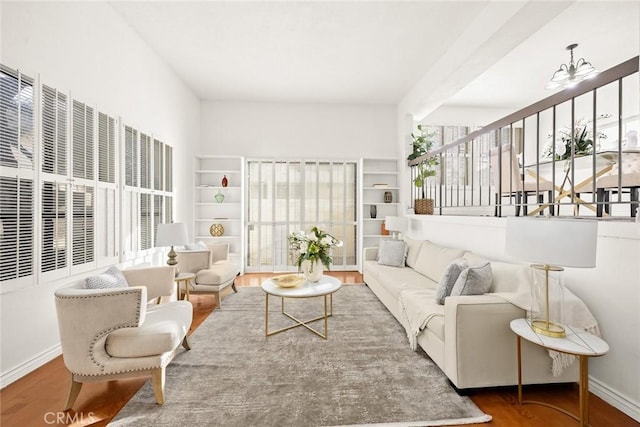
x=117 y=333
x=213 y=269
x=509 y=181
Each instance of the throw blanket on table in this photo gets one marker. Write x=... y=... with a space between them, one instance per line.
x=575 y=312
x=414 y=317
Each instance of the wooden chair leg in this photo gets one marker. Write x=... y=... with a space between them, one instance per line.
x=518 y=202
x=552 y=207
x=218 y=299
x=157 y=379
x=185 y=343
x=74 y=391
x=233 y=286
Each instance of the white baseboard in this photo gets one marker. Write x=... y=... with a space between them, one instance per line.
x=20 y=371
x=614 y=398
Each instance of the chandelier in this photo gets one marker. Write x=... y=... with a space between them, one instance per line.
x=572 y=74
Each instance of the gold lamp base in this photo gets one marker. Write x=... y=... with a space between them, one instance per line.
x=549 y=329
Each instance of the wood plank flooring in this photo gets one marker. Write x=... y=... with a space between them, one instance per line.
x=36 y=399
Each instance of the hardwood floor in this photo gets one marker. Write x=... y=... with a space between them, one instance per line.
x=36 y=399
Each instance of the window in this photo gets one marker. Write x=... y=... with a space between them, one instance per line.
x=296 y=195
x=17 y=141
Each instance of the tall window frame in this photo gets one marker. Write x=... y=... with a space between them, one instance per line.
x=289 y=195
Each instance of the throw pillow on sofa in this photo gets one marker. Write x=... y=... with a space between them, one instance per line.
x=473 y=281
x=392 y=253
x=112 y=278
x=449 y=278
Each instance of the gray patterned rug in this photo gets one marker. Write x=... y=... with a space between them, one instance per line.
x=364 y=374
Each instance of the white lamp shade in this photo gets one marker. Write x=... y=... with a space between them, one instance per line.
x=560 y=242
x=172 y=234
x=396 y=223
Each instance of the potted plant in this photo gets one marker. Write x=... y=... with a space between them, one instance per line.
x=422 y=144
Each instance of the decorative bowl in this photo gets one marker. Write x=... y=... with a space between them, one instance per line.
x=288 y=280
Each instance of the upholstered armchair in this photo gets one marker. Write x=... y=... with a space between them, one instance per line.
x=121 y=332
x=509 y=181
x=213 y=269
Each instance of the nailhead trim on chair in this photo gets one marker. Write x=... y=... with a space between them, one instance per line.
x=109 y=330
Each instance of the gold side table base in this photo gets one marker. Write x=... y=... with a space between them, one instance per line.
x=583 y=419
x=303 y=323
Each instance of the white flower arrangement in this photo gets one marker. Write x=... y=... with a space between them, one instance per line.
x=313 y=246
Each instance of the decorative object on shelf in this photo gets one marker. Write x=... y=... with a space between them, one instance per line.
x=397 y=225
x=219 y=197
x=551 y=242
x=373 y=211
x=572 y=74
x=383 y=229
x=172 y=234
x=315 y=248
x=216 y=230
x=421 y=144
x=388 y=197
x=225 y=181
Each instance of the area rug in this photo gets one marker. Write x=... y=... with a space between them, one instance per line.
x=364 y=374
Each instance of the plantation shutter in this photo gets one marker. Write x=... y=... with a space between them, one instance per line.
x=106 y=148
x=54 y=131
x=82 y=228
x=145 y=161
x=131 y=156
x=145 y=221
x=83 y=140
x=168 y=171
x=158 y=208
x=158 y=172
x=168 y=209
x=17 y=147
x=54 y=226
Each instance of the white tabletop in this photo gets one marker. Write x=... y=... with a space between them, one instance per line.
x=577 y=342
x=326 y=285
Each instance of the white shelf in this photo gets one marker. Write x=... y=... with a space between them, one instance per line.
x=209 y=171
x=376 y=171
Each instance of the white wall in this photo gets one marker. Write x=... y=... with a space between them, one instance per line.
x=611 y=291
x=316 y=131
x=87 y=50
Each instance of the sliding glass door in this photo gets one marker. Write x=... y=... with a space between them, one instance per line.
x=286 y=196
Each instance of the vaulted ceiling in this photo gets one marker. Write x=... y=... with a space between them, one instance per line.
x=429 y=53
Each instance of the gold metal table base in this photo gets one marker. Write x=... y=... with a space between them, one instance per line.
x=299 y=322
x=583 y=419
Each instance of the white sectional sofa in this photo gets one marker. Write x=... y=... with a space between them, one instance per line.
x=468 y=337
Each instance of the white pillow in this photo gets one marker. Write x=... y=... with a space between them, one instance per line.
x=112 y=278
x=392 y=253
x=195 y=246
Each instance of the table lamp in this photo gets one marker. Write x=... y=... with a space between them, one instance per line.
x=172 y=234
x=551 y=243
x=396 y=224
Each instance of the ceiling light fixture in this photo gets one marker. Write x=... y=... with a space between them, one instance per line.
x=572 y=74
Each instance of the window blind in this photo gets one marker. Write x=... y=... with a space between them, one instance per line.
x=106 y=148
x=83 y=140
x=54 y=226
x=131 y=156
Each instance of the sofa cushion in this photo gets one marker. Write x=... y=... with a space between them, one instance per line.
x=434 y=259
x=219 y=251
x=220 y=272
x=449 y=278
x=413 y=250
x=112 y=278
x=392 y=253
x=164 y=327
x=473 y=281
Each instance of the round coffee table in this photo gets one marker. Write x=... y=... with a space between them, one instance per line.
x=325 y=288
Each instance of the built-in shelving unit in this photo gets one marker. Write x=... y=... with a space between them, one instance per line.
x=209 y=172
x=377 y=177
